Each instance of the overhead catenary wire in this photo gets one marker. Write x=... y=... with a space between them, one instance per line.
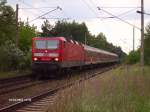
x=26 y=8
x=98 y=16
x=45 y=14
x=38 y=8
x=63 y=11
x=56 y=18
x=127 y=12
x=90 y=7
x=118 y=18
x=119 y=7
x=30 y=6
x=121 y=14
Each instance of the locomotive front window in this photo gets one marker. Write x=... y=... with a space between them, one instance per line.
x=52 y=44
x=40 y=44
x=46 y=44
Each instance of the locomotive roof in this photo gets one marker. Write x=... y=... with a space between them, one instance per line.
x=98 y=50
x=49 y=38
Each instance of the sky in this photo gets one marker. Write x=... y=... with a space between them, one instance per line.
x=116 y=31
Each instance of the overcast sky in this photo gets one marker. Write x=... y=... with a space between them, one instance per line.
x=116 y=31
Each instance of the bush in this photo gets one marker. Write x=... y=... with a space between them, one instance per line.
x=133 y=57
x=27 y=61
x=11 y=57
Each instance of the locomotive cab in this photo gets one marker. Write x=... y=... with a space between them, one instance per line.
x=46 y=53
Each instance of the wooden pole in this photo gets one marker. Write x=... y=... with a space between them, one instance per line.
x=17 y=26
x=133 y=38
x=142 y=34
x=85 y=41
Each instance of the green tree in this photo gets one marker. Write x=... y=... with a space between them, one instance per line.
x=133 y=57
x=72 y=30
x=47 y=29
x=147 y=45
x=100 y=41
x=7 y=22
x=11 y=57
x=27 y=32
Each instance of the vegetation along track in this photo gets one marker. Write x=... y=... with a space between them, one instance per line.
x=41 y=101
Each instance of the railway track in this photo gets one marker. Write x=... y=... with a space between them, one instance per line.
x=40 y=102
x=8 y=84
x=4 y=83
x=20 y=85
x=16 y=83
x=18 y=78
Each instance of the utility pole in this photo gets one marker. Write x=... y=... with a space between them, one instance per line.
x=17 y=26
x=142 y=35
x=27 y=20
x=133 y=38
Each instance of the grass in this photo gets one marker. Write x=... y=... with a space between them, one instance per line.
x=125 y=89
x=11 y=74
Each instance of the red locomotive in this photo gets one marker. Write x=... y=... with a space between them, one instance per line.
x=57 y=53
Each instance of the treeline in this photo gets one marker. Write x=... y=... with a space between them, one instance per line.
x=79 y=32
x=134 y=56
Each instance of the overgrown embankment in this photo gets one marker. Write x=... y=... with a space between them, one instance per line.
x=125 y=89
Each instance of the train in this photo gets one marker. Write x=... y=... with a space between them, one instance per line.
x=58 y=53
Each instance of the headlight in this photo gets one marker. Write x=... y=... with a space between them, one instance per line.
x=38 y=54
x=53 y=54
x=56 y=59
x=35 y=59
